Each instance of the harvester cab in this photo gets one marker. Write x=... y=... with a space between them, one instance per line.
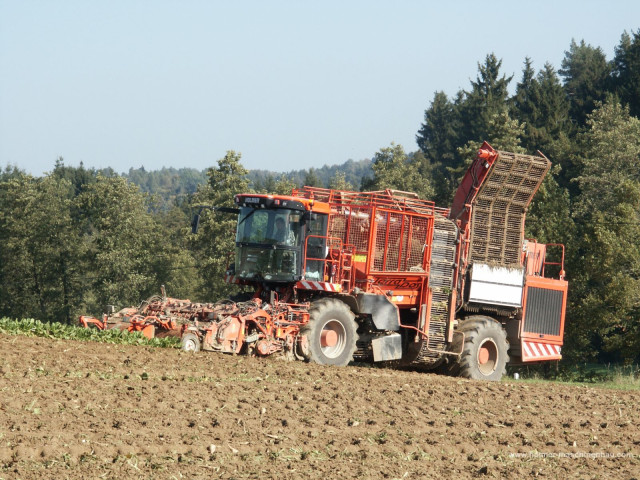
x=269 y=239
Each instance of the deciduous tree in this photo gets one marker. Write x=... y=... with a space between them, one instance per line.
x=607 y=271
x=394 y=169
x=121 y=240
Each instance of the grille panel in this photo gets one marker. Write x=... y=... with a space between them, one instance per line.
x=543 y=311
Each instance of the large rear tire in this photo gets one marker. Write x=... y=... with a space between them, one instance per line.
x=484 y=353
x=331 y=333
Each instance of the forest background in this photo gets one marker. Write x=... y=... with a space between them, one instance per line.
x=77 y=239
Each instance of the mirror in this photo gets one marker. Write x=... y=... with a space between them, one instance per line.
x=195 y=223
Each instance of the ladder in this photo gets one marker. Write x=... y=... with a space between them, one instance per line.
x=346 y=268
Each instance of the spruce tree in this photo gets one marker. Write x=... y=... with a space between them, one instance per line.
x=585 y=71
x=488 y=96
x=626 y=71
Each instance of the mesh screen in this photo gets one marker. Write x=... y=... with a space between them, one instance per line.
x=417 y=236
x=359 y=227
x=379 y=257
x=352 y=226
x=498 y=216
x=399 y=242
x=393 y=243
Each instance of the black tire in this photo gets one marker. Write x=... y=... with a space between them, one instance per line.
x=330 y=321
x=484 y=353
x=190 y=342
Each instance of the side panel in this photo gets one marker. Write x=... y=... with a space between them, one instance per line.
x=496 y=285
x=398 y=242
x=352 y=224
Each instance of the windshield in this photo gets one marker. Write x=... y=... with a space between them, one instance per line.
x=268 y=244
x=279 y=226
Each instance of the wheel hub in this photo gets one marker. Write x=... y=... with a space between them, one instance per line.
x=333 y=338
x=487 y=357
x=190 y=345
x=483 y=355
x=328 y=338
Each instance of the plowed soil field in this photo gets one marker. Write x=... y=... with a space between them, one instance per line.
x=86 y=410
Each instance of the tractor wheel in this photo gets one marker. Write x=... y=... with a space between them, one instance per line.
x=484 y=354
x=190 y=342
x=331 y=333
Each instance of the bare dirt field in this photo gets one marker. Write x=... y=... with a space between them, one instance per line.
x=86 y=410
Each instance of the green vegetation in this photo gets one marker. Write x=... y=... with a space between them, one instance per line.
x=173 y=187
x=78 y=239
x=351 y=172
x=36 y=328
x=622 y=377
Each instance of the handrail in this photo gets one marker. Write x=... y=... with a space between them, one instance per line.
x=560 y=263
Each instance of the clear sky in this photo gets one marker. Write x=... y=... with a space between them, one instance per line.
x=289 y=84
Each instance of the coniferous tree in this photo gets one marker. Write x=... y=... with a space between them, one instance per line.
x=540 y=103
x=438 y=134
x=438 y=139
x=586 y=73
x=311 y=178
x=525 y=100
x=626 y=71
x=552 y=119
x=489 y=95
x=79 y=177
x=504 y=134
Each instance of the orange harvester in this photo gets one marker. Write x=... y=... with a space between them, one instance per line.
x=332 y=276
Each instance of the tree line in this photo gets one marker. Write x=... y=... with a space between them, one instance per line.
x=77 y=239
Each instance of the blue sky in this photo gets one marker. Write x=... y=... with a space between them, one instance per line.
x=289 y=84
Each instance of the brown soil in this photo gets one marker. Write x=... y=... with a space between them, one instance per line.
x=86 y=410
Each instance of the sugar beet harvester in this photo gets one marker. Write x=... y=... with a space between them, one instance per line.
x=337 y=276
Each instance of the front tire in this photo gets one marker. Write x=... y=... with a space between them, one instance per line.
x=190 y=342
x=484 y=353
x=331 y=333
